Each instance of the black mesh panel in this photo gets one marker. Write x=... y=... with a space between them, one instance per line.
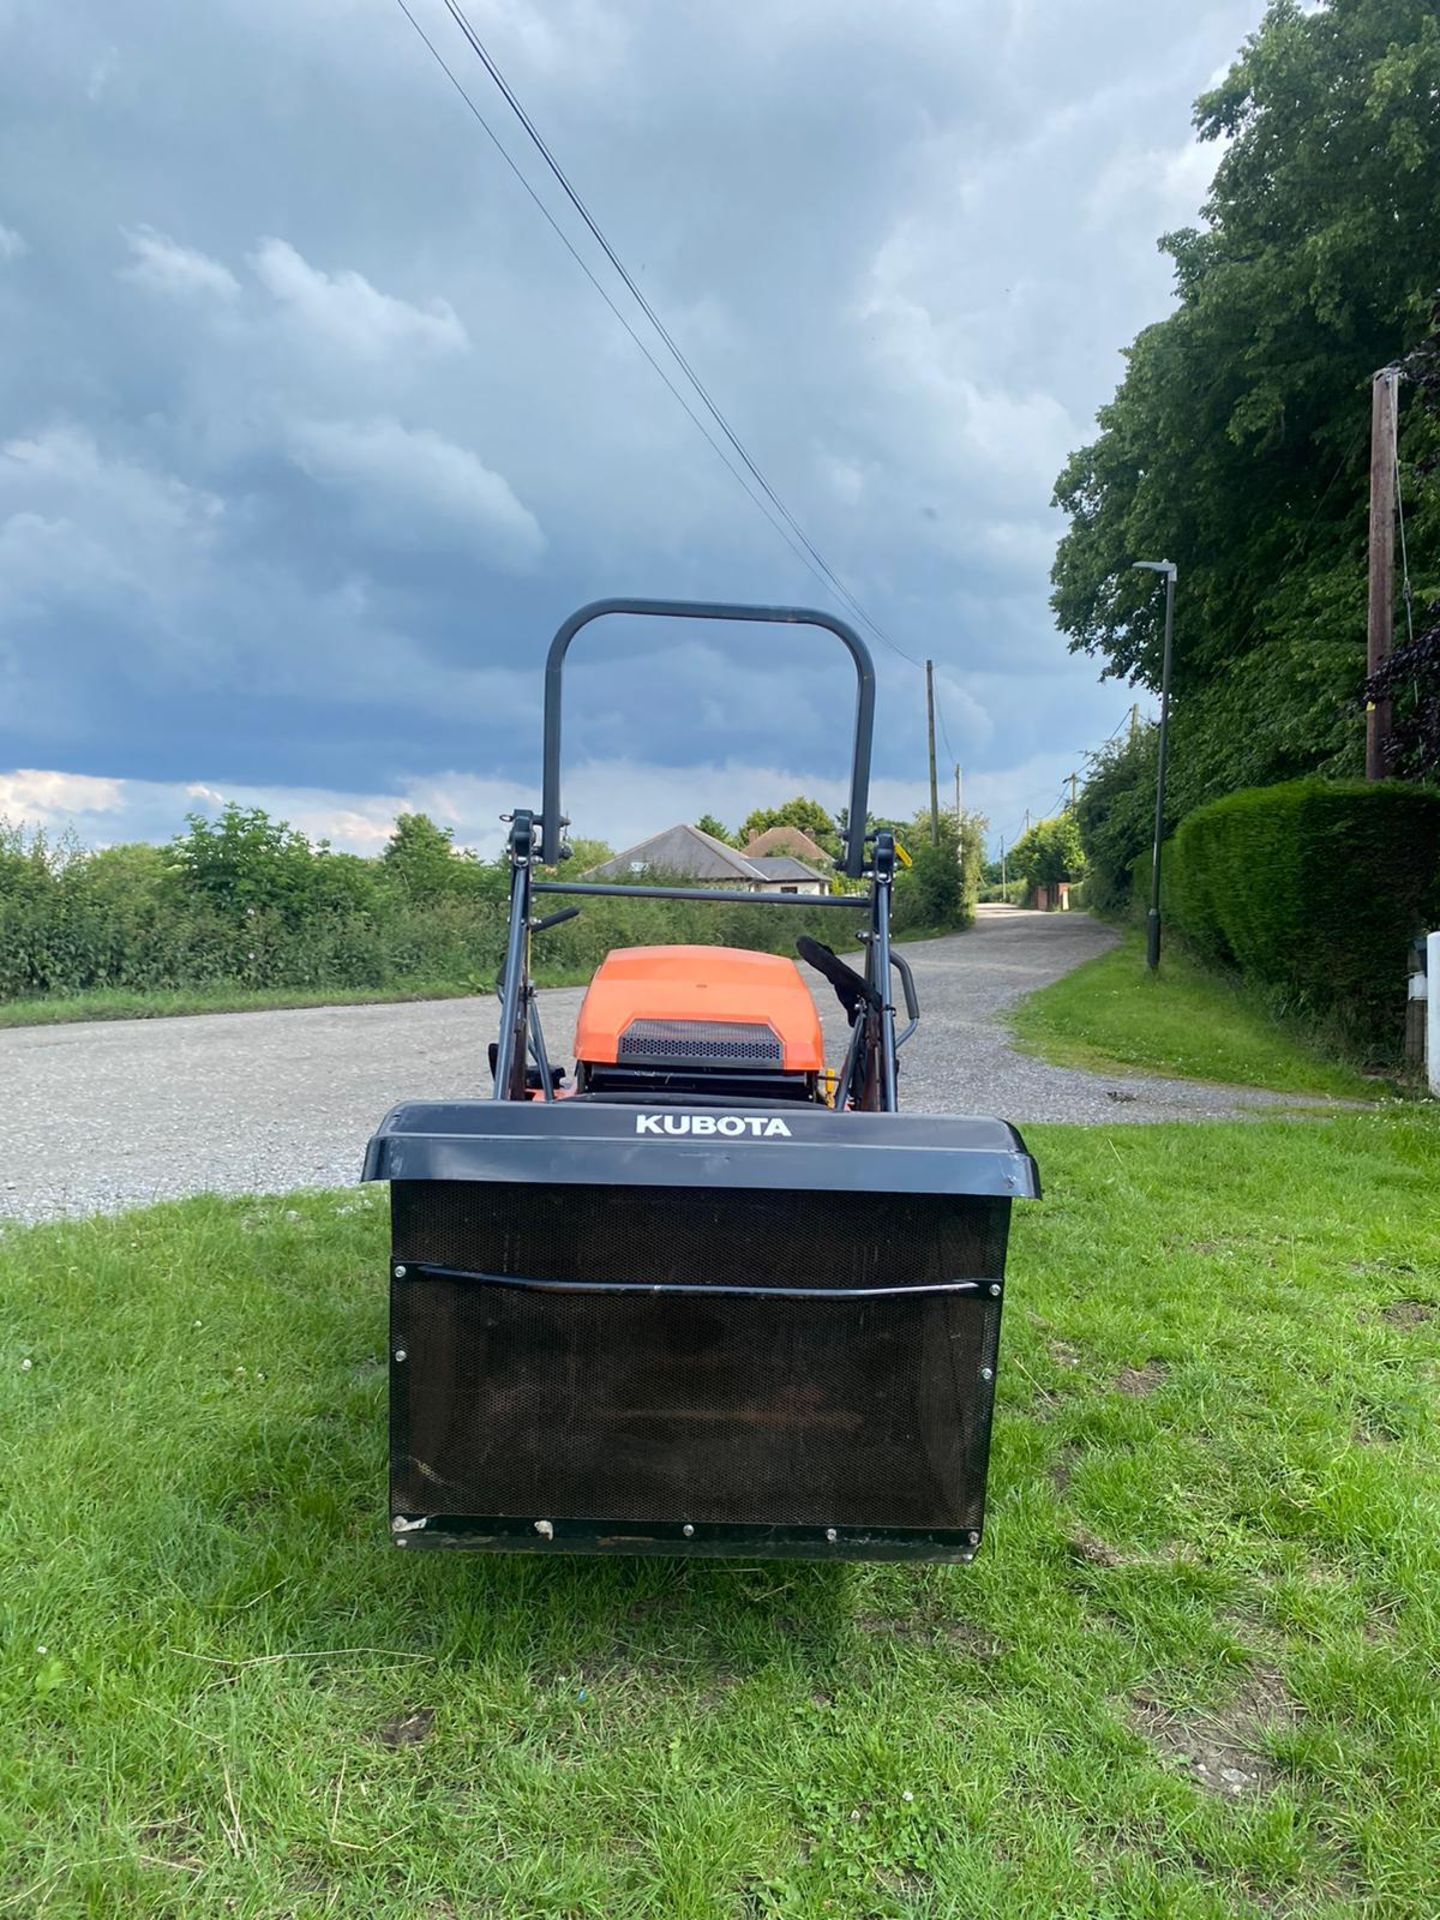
x=754 y=1409
x=692 y=1236
x=700 y=1042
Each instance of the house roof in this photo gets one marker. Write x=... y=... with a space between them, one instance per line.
x=779 y=866
x=787 y=840
x=683 y=849
x=686 y=851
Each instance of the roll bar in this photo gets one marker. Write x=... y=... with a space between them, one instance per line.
x=551 y=820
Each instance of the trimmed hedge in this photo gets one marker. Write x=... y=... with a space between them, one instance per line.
x=1316 y=887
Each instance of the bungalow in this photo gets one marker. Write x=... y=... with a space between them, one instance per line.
x=688 y=854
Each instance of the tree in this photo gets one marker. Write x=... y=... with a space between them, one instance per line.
x=585 y=854
x=1049 y=853
x=931 y=892
x=1237 y=444
x=244 y=862
x=717 y=829
x=29 y=860
x=1116 y=817
x=422 y=857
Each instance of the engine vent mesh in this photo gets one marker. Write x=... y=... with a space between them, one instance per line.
x=700 y=1042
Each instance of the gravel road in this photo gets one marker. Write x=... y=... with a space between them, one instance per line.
x=119 y=1113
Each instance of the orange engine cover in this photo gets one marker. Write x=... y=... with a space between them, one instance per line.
x=705 y=986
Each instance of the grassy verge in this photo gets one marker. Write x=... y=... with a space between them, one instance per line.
x=1182 y=1020
x=1191 y=1674
x=119 y=1005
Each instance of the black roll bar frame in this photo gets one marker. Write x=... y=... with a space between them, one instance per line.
x=551 y=816
x=869 y=1076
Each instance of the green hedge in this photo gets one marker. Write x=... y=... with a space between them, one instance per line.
x=1316 y=888
x=63 y=933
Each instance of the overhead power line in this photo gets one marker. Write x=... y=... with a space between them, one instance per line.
x=812 y=555
x=950 y=754
x=584 y=267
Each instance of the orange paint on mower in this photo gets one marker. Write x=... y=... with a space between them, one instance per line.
x=700 y=987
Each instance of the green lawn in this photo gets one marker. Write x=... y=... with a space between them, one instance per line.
x=1182 y=1020
x=1214 y=1540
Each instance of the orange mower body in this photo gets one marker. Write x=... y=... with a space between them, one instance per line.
x=699 y=1003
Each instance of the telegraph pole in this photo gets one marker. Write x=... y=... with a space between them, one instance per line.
x=1073 y=778
x=1381 y=617
x=1152 y=918
x=934 y=779
x=959 y=823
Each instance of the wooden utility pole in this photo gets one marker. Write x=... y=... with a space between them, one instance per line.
x=1073 y=778
x=959 y=823
x=1134 y=722
x=934 y=776
x=1381 y=621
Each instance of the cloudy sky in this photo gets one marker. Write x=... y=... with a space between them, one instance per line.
x=311 y=431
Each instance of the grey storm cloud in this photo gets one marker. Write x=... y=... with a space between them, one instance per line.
x=311 y=431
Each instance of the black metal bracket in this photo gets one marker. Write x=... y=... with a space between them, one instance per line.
x=704 y=1539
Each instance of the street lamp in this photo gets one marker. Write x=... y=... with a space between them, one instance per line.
x=1152 y=919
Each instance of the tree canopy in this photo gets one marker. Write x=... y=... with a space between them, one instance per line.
x=1049 y=852
x=1238 y=442
x=1116 y=816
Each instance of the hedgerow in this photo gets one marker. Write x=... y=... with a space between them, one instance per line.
x=1314 y=887
x=246 y=902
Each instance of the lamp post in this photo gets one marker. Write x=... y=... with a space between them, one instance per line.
x=1152 y=918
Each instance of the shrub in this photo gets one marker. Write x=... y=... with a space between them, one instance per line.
x=1315 y=887
x=938 y=890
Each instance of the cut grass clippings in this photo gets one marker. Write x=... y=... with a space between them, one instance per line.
x=1190 y=1675
x=1184 y=1021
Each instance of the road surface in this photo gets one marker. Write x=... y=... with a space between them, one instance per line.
x=119 y=1113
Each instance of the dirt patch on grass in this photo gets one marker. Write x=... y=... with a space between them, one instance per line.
x=1094 y=1551
x=963 y=1635
x=172 y=1843
x=1062 y=1353
x=1139 y=1381
x=408 y=1730
x=1222 y=1749
x=1408 y=1313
